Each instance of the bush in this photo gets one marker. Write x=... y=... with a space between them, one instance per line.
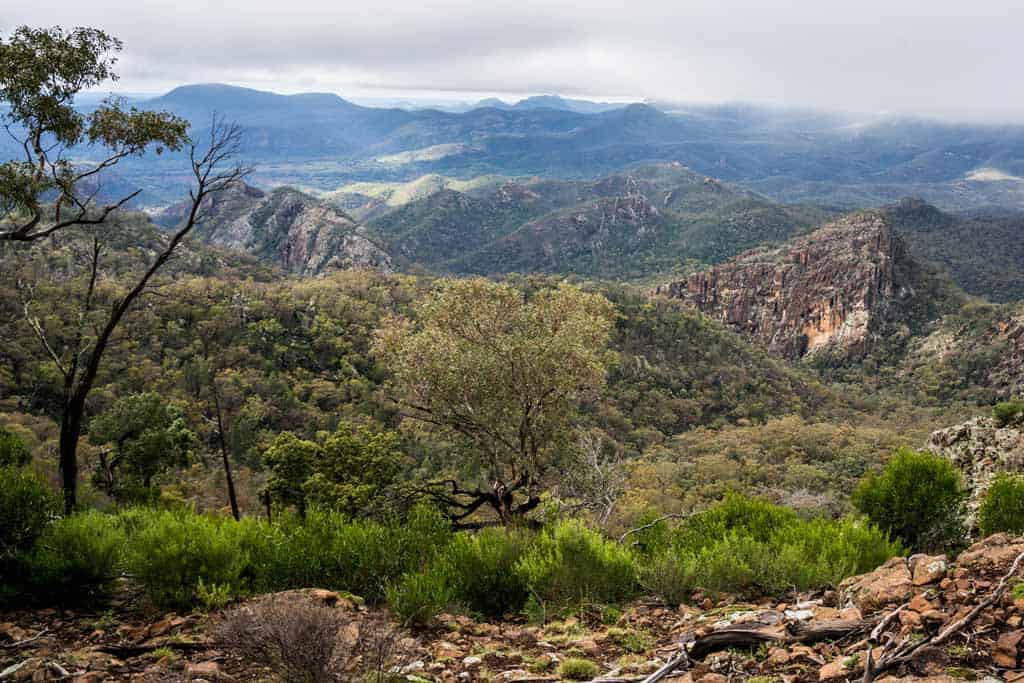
x=475 y=571
x=752 y=547
x=26 y=507
x=362 y=557
x=571 y=565
x=918 y=498
x=1002 y=508
x=76 y=555
x=1006 y=412
x=12 y=449
x=296 y=639
x=576 y=669
x=170 y=552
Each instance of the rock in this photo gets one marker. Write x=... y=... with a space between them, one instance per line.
x=302 y=234
x=472 y=662
x=927 y=569
x=991 y=556
x=90 y=677
x=778 y=656
x=981 y=450
x=1005 y=654
x=713 y=678
x=890 y=584
x=208 y=670
x=829 y=290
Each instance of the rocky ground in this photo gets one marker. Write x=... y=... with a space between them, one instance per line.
x=924 y=618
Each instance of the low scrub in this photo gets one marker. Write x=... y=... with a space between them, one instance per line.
x=918 y=498
x=1002 y=508
x=571 y=565
x=751 y=547
x=76 y=556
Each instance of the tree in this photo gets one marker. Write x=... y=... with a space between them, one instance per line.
x=918 y=498
x=353 y=471
x=87 y=337
x=500 y=373
x=41 y=72
x=145 y=436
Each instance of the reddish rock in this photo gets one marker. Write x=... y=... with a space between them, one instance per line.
x=890 y=584
x=1005 y=654
x=828 y=290
x=928 y=569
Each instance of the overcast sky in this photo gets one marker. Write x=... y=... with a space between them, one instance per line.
x=957 y=59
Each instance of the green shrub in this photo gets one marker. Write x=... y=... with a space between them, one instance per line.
x=26 y=507
x=918 y=498
x=1006 y=412
x=1002 y=508
x=12 y=449
x=751 y=547
x=419 y=596
x=474 y=571
x=576 y=669
x=76 y=555
x=363 y=557
x=171 y=551
x=571 y=565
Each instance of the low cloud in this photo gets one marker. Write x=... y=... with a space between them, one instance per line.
x=942 y=58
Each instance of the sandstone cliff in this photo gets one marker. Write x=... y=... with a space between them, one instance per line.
x=298 y=232
x=829 y=290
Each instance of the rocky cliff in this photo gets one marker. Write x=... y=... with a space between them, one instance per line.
x=298 y=232
x=828 y=290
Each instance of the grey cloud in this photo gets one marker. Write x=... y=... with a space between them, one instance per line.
x=942 y=58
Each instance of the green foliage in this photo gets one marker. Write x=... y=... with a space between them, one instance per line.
x=1008 y=411
x=474 y=571
x=76 y=555
x=577 y=669
x=290 y=461
x=918 y=498
x=362 y=557
x=44 y=69
x=13 y=451
x=1002 y=508
x=572 y=565
x=27 y=506
x=750 y=547
x=500 y=372
x=145 y=435
x=419 y=596
x=170 y=552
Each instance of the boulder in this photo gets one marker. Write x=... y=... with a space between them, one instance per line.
x=890 y=584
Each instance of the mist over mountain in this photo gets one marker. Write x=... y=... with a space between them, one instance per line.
x=322 y=141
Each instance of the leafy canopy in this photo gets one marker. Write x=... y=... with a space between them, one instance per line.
x=500 y=372
x=42 y=70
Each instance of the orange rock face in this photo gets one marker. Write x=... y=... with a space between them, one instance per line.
x=826 y=290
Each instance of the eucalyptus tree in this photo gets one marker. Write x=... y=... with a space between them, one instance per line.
x=44 y=193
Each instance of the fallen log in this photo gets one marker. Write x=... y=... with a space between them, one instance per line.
x=129 y=651
x=799 y=632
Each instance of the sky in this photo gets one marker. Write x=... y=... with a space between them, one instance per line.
x=950 y=59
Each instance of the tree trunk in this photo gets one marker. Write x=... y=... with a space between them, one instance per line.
x=232 y=498
x=70 y=431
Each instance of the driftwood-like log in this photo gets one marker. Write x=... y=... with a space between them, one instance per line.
x=740 y=636
x=129 y=651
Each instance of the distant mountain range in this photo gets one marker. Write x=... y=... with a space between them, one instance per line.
x=321 y=141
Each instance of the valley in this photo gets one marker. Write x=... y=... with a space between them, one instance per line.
x=298 y=389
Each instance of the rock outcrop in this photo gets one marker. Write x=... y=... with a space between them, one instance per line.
x=981 y=450
x=828 y=290
x=300 y=233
